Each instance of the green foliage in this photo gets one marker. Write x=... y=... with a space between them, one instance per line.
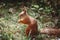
x=12 y=30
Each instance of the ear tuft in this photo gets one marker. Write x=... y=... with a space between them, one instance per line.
x=24 y=11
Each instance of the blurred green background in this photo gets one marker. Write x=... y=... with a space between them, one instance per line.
x=46 y=12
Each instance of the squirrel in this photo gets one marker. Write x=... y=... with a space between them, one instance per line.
x=32 y=28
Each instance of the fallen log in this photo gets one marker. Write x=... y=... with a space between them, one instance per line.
x=50 y=31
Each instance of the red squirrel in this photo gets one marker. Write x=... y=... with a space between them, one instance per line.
x=32 y=28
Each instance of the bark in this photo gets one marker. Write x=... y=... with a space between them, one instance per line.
x=50 y=31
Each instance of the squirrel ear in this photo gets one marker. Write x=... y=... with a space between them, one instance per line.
x=25 y=10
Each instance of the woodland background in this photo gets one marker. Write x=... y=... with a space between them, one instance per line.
x=46 y=12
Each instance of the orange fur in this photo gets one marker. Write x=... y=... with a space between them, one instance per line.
x=32 y=28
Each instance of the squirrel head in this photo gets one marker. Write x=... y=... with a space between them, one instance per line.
x=24 y=17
